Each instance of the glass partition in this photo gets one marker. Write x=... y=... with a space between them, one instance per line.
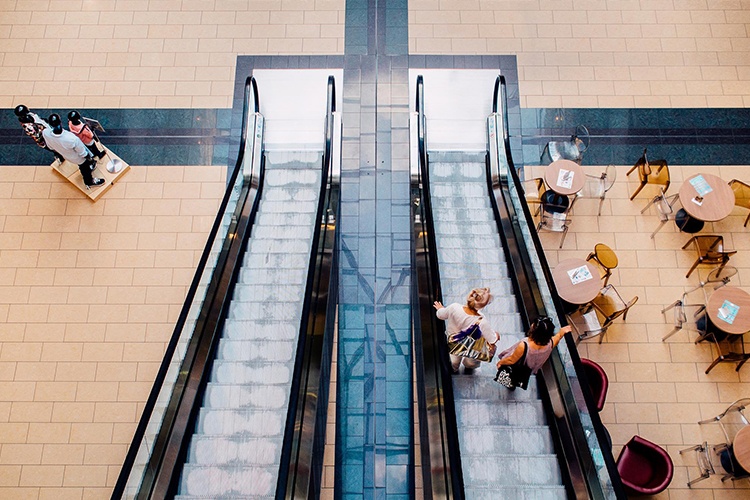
x=587 y=432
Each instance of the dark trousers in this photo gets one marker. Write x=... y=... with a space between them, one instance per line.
x=85 y=169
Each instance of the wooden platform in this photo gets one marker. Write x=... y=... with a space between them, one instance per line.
x=70 y=171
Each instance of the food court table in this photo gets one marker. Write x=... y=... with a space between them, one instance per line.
x=741 y=447
x=728 y=311
x=704 y=197
x=735 y=322
x=564 y=177
x=577 y=281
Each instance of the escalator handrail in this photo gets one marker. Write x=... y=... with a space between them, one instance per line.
x=447 y=476
x=302 y=452
x=500 y=98
x=140 y=432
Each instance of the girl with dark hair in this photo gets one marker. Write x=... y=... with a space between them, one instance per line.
x=535 y=349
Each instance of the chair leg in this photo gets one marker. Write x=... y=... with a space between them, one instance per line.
x=648 y=205
x=674 y=330
x=637 y=190
x=661 y=225
x=562 y=240
x=703 y=476
x=747 y=219
x=601 y=202
x=698 y=261
x=631 y=169
x=606 y=276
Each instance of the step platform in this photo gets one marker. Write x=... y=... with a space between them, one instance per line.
x=73 y=175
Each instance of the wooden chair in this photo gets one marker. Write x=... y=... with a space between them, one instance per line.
x=605 y=258
x=650 y=172
x=710 y=250
x=741 y=196
x=534 y=190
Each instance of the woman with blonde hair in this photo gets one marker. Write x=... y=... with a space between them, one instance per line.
x=460 y=318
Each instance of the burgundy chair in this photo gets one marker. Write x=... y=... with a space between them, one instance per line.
x=645 y=468
x=598 y=381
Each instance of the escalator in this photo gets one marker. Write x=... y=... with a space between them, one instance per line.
x=481 y=440
x=239 y=406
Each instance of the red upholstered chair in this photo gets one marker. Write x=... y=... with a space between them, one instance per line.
x=645 y=468
x=598 y=381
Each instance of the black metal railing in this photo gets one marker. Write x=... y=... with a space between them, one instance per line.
x=441 y=461
x=154 y=458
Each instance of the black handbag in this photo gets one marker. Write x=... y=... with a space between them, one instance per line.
x=515 y=375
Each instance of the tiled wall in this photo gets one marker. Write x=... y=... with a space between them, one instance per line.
x=601 y=53
x=149 y=53
x=89 y=294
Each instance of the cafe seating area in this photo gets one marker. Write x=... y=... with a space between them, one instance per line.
x=656 y=353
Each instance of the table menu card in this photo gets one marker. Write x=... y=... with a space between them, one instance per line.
x=728 y=311
x=701 y=185
x=579 y=275
x=565 y=178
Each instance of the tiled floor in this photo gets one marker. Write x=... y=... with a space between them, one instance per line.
x=658 y=389
x=88 y=293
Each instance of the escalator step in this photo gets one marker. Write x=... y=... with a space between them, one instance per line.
x=233 y=481
x=255 y=350
x=473 y=412
x=271 y=276
x=240 y=422
x=244 y=449
x=538 y=492
x=279 y=219
x=245 y=397
x=490 y=471
x=491 y=439
x=250 y=372
x=279 y=293
x=260 y=329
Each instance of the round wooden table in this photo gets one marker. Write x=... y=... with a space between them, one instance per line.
x=578 y=179
x=716 y=204
x=741 y=447
x=738 y=296
x=582 y=292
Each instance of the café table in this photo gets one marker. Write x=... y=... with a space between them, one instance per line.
x=577 y=281
x=564 y=177
x=704 y=198
x=728 y=310
x=741 y=447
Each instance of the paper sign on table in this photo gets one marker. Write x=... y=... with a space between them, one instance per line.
x=728 y=311
x=579 y=274
x=565 y=178
x=701 y=185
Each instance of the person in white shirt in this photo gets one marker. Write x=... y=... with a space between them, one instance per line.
x=72 y=149
x=461 y=317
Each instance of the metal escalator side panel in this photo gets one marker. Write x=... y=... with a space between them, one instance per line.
x=441 y=463
x=144 y=462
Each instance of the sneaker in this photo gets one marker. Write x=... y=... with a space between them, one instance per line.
x=96 y=181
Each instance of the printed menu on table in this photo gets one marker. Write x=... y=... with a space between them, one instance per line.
x=565 y=178
x=579 y=274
